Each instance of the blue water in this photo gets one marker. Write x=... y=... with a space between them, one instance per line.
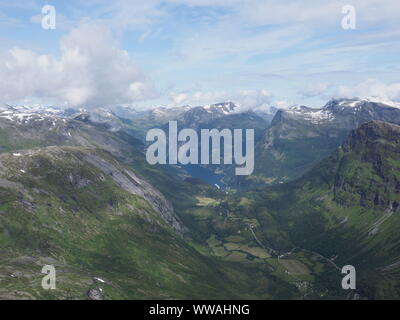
x=204 y=174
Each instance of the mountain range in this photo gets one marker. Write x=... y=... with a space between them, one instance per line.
x=299 y=137
x=76 y=192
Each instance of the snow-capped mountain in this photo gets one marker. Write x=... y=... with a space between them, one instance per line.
x=220 y=108
x=101 y=116
x=345 y=112
x=300 y=136
x=164 y=114
x=209 y=115
x=24 y=113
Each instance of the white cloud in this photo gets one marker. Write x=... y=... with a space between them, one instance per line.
x=253 y=98
x=370 y=88
x=91 y=71
x=282 y=104
x=206 y=42
x=138 y=13
x=314 y=89
x=196 y=98
x=245 y=98
x=179 y=98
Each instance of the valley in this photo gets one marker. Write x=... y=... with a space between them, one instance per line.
x=172 y=154
x=78 y=193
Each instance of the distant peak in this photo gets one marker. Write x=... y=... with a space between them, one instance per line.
x=224 y=107
x=357 y=102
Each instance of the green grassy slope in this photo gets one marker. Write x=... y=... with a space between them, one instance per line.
x=57 y=208
x=345 y=209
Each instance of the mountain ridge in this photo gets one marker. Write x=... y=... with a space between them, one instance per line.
x=300 y=137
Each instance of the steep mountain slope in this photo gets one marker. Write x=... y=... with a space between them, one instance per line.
x=300 y=137
x=345 y=209
x=83 y=212
x=69 y=198
x=79 y=195
x=221 y=116
x=131 y=121
x=24 y=129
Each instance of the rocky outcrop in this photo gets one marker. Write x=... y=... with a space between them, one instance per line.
x=134 y=184
x=94 y=294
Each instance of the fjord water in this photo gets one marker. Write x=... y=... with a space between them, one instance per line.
x=204 y=174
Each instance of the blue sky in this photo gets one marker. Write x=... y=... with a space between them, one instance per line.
x=150 y=53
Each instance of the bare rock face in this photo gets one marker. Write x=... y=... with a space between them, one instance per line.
x=134 y=184
x=94 y=294
x=376 y=144
x=53 y=128
x=122 y=175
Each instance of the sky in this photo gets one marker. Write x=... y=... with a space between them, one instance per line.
x=193 y=52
